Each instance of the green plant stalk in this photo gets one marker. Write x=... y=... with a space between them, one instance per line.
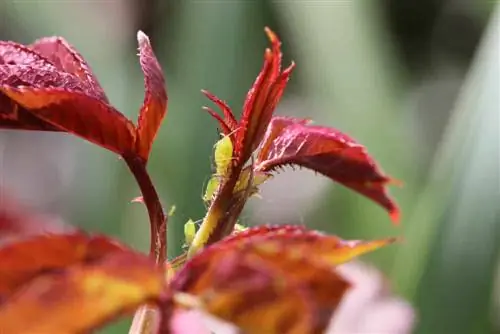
x=221 y=216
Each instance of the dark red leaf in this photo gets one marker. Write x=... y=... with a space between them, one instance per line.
x=261 y=100
x=49 y=86
x=228 y=124
x=326 y=151
x=12 y=53
x=77 y=113
x=66 y=59
x=155 y=101
x=13 y=116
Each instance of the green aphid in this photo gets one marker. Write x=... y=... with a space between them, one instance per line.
x=223 y=155
x=189 y=232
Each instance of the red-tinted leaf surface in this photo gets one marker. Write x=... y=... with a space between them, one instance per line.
x=13 y=116
x=301 y=242
x=59 y=94
x=261 y=291
x=326 y=151
x=49 y=86
x=83 y=297
x=12 y=53
x=262 y=99
x=271 y=279
x=155 y=101
x=44 y=279
x=259 y=105
x=66 y=59
x=228 y=124
x=77 y=113
x=21 y=261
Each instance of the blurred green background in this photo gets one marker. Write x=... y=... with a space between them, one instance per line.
x=417 y=82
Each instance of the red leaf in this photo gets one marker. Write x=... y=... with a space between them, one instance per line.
x=261 y=100
x=36 y=95
x=262 y=290
x=66 y=59
x=13 y=116
x=77 y=113
x=326 y=151
x=12 y=53
x=301 y=242
x=102 y=283
x=155 y=101
x=23 y=260
x=49 y=86
x=269 y=279
x=229 y=123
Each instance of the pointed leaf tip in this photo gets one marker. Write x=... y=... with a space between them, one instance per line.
x=154 y=107
x=329 y=152
x=273 y=38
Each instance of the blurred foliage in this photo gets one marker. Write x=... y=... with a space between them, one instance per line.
x=405 y=78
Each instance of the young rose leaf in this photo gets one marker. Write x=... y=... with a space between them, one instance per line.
x=262 y=99
x=49 y=86
x=82 y=297
x=75 y=112
x=67 y=59
x=155 y=101
x=326 y=151
x=228 y=124
x=261 y=290
x=25 y=259
x=300 y=242
x=13 y=116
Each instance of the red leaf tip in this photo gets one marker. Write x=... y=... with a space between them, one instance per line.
x=395 y=215
x=273 y=38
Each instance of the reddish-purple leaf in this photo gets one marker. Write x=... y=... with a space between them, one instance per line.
x=261 y=100
x=228 y=124
x=13 y=116
x=155 y=101
x=49 y=86
x=12 y=53
x=37 y=95
x=326 y=151
x=66 y=59
x=77 y=113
